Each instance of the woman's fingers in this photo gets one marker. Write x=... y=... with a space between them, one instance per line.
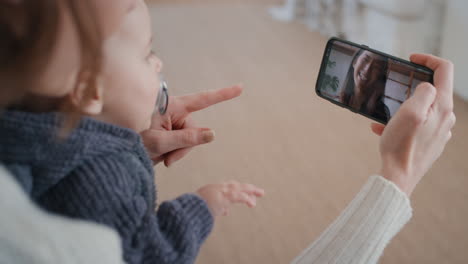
x=205 y=135
x=449 y=135
x=452 y=120
x=162 y=141
x=447 y=125
x=443 y=99
x=422 y=100
x=443 y=78
x=377 y=128
x=443 y=69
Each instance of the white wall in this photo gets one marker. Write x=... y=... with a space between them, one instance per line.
x=398 y=27
x=455 y=43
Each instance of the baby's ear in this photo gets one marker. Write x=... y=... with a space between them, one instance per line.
x=88 y=98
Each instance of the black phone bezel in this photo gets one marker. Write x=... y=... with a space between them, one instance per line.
x=323 y=69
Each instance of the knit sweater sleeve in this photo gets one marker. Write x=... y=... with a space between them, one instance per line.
x=364 y=228
x=104 y=191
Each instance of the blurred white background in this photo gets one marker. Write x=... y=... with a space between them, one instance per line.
x=398 y=27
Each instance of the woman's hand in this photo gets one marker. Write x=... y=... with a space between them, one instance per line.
x=174 y=134
x=416 y=136
x=220 y=197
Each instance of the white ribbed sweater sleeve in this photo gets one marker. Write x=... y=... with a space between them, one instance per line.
x=364 y=228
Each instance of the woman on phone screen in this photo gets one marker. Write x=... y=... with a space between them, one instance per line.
x=364 y=86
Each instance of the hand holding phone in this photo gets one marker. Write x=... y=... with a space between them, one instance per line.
x=366 y=81
x=376 y=85
x=416 y=136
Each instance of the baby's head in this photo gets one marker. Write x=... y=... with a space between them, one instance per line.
x=91 y=56
x=130 y=72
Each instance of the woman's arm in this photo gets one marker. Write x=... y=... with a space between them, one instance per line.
x=364 y=228
x=411 y=142
x=31 y=235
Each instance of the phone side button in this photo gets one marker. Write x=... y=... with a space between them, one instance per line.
x=365 y=46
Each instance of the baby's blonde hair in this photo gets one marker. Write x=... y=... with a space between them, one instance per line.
x=28 y=33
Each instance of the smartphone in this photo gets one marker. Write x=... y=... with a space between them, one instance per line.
x=367 y=81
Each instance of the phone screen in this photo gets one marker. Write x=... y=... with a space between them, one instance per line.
x=366 y=81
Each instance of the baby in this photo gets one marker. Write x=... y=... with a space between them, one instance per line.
x=101 y=171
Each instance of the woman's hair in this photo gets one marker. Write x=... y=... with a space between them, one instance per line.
x=378 y=87
x=29 y=32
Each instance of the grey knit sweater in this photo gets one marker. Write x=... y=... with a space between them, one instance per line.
x=102 y=173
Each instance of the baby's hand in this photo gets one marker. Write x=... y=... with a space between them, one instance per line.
x=219 y=197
